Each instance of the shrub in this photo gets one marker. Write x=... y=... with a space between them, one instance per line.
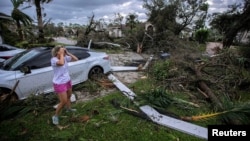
x=160 y=69
x=201 y=35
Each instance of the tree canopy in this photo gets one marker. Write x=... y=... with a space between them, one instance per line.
x=20 y=17
x=40 y=21
x=176 y=15
x=233 y=21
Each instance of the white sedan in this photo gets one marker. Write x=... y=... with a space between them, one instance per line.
x=31 y=70
x=7 y=51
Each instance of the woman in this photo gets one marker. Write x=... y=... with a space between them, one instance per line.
x=61 y=79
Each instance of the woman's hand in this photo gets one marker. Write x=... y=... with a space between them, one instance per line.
x=66 y=51
x=60 y=56
x=61 y=51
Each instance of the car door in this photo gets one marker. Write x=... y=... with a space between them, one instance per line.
x=78 y=70
x=39 y=80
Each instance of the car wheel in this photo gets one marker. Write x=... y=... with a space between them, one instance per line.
x=95 y=73
x=6 y=96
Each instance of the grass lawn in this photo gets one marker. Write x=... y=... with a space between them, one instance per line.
x=96 y=120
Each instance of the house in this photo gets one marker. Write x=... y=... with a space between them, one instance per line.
x=115 y=31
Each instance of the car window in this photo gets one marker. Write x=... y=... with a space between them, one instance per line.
x=41 y=61
x=79 y=53
x=19 y=60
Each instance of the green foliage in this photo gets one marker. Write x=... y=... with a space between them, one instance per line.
x=175 y=15
x=35 y=103
x=231 y=22
x=131 y=21
x=160 y=69
x=201 y=35
x=10 y=38
x=13 y=110
x=29 y=46
x=106 y=123
x=23 y=44
x=214 y=35
x=201 y=47
x=244 y=51
x=157 y=98
x=235 y=113
x=21 y=19
x=89 y=86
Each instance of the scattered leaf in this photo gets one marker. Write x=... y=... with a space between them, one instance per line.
x=62 y=127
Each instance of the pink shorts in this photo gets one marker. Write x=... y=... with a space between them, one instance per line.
x=59 y=88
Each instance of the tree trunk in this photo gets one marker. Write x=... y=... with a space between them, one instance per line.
x=39 y=19
x=206 y=89
x=91 y=26
x=139 y=48
x=241 y=24
x=19 y=30
x=228 y=41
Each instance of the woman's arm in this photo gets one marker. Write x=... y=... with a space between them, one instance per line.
x=73 y=57
x=60 y=62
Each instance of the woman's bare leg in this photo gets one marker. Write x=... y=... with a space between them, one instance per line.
x=69 y=93
x=63 y=101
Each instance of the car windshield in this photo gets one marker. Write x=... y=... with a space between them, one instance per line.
x=17 y=60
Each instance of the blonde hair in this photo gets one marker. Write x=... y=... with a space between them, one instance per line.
x=55 y=50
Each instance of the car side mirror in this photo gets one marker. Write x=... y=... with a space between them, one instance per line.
x=26 y=70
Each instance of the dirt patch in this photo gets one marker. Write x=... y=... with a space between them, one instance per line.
x=212 y=48
x=128 y=59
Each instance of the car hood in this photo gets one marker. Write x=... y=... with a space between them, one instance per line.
x=11 y=52
x=4 y=73
x=1 y=61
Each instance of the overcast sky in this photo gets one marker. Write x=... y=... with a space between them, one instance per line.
x=78 y=11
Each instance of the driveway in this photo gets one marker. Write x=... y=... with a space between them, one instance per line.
x=64 y=40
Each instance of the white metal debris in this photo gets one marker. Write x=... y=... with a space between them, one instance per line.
x=131 y=68
x=176 y=124
x=123 y=68
x=164 y=120
x=147 y=63
x=124 y=89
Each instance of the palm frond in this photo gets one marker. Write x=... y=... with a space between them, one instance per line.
x=203 y=116
x=156 y=98
x=35 y=103
x=18 y=15
x=240 y=114
x=26 y=7
x=17 y=3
